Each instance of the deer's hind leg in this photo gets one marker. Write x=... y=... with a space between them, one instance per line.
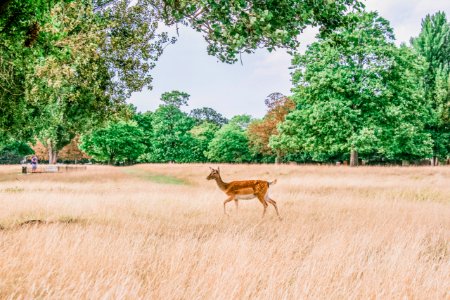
x=274 y=203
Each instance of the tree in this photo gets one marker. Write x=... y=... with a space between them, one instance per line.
x=175 y=98
x=260 y=131
x=230 y=143
x=357 y=93
x=209 y=115
x=171 y=140
x=77 y=68
x=433 y=43
x=12 y=152
x=65 y=88
x=119 y=142
x=202 y=134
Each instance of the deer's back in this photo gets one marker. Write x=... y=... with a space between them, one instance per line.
x=247 y=187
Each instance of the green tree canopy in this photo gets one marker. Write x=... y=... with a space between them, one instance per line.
x=175 y=98
x=12 y=152
x=356 y=92
x=230 y=143
x=233 y=27
x=119 y=142
x=58 y=47
x=433 y=43
x=203 y=134
x=171 y=139
x=76 y=67
x=67 y=86
x=209 y=115
x=144 y=121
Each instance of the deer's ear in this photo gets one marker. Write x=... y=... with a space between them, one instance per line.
x=211 y=168
x=218 y=169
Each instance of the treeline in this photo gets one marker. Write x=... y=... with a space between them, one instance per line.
x=170 y=135
x=356 y=96
x=68 y=67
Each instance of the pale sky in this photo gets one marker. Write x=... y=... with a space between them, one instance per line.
x=241 y=89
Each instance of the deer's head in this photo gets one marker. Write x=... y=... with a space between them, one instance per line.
x=214 y=174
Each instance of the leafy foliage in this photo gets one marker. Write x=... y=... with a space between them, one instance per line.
x=119 y=142
x=260 y=131
x=230 y=27
x=233 y=27
x=76 y=69
x=13 y=152
x=230 y=144
x=433 y=43
x=203 y=134
x=144 y=121
x=207 y=114
x=175 y=98
x=67 y=84
x=356 y=91
x=171 y=140
x=68 y=66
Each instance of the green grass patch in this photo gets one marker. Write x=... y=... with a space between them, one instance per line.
x=155 y=177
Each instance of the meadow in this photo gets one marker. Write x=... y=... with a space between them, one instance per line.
x=159 y=232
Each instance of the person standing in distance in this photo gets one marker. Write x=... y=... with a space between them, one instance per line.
x=34 y=163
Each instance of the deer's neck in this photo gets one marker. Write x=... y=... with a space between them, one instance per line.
x=222 y=185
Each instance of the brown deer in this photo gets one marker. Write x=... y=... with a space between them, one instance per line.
x=244 y=190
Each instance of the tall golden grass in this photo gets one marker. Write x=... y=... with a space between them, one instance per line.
x=158 y=232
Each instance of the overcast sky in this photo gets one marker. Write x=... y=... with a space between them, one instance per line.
x=238 y=89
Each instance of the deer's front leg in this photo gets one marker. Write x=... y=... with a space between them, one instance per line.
x=225 y=203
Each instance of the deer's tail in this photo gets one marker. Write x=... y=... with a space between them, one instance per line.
x=272 y=182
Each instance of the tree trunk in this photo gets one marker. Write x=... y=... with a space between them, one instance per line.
x=278 y=158
x=52 y=152
x=353 y=158
x=54 y=157
x=434 y=161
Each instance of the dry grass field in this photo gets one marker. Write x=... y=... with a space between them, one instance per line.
x=158 y=232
